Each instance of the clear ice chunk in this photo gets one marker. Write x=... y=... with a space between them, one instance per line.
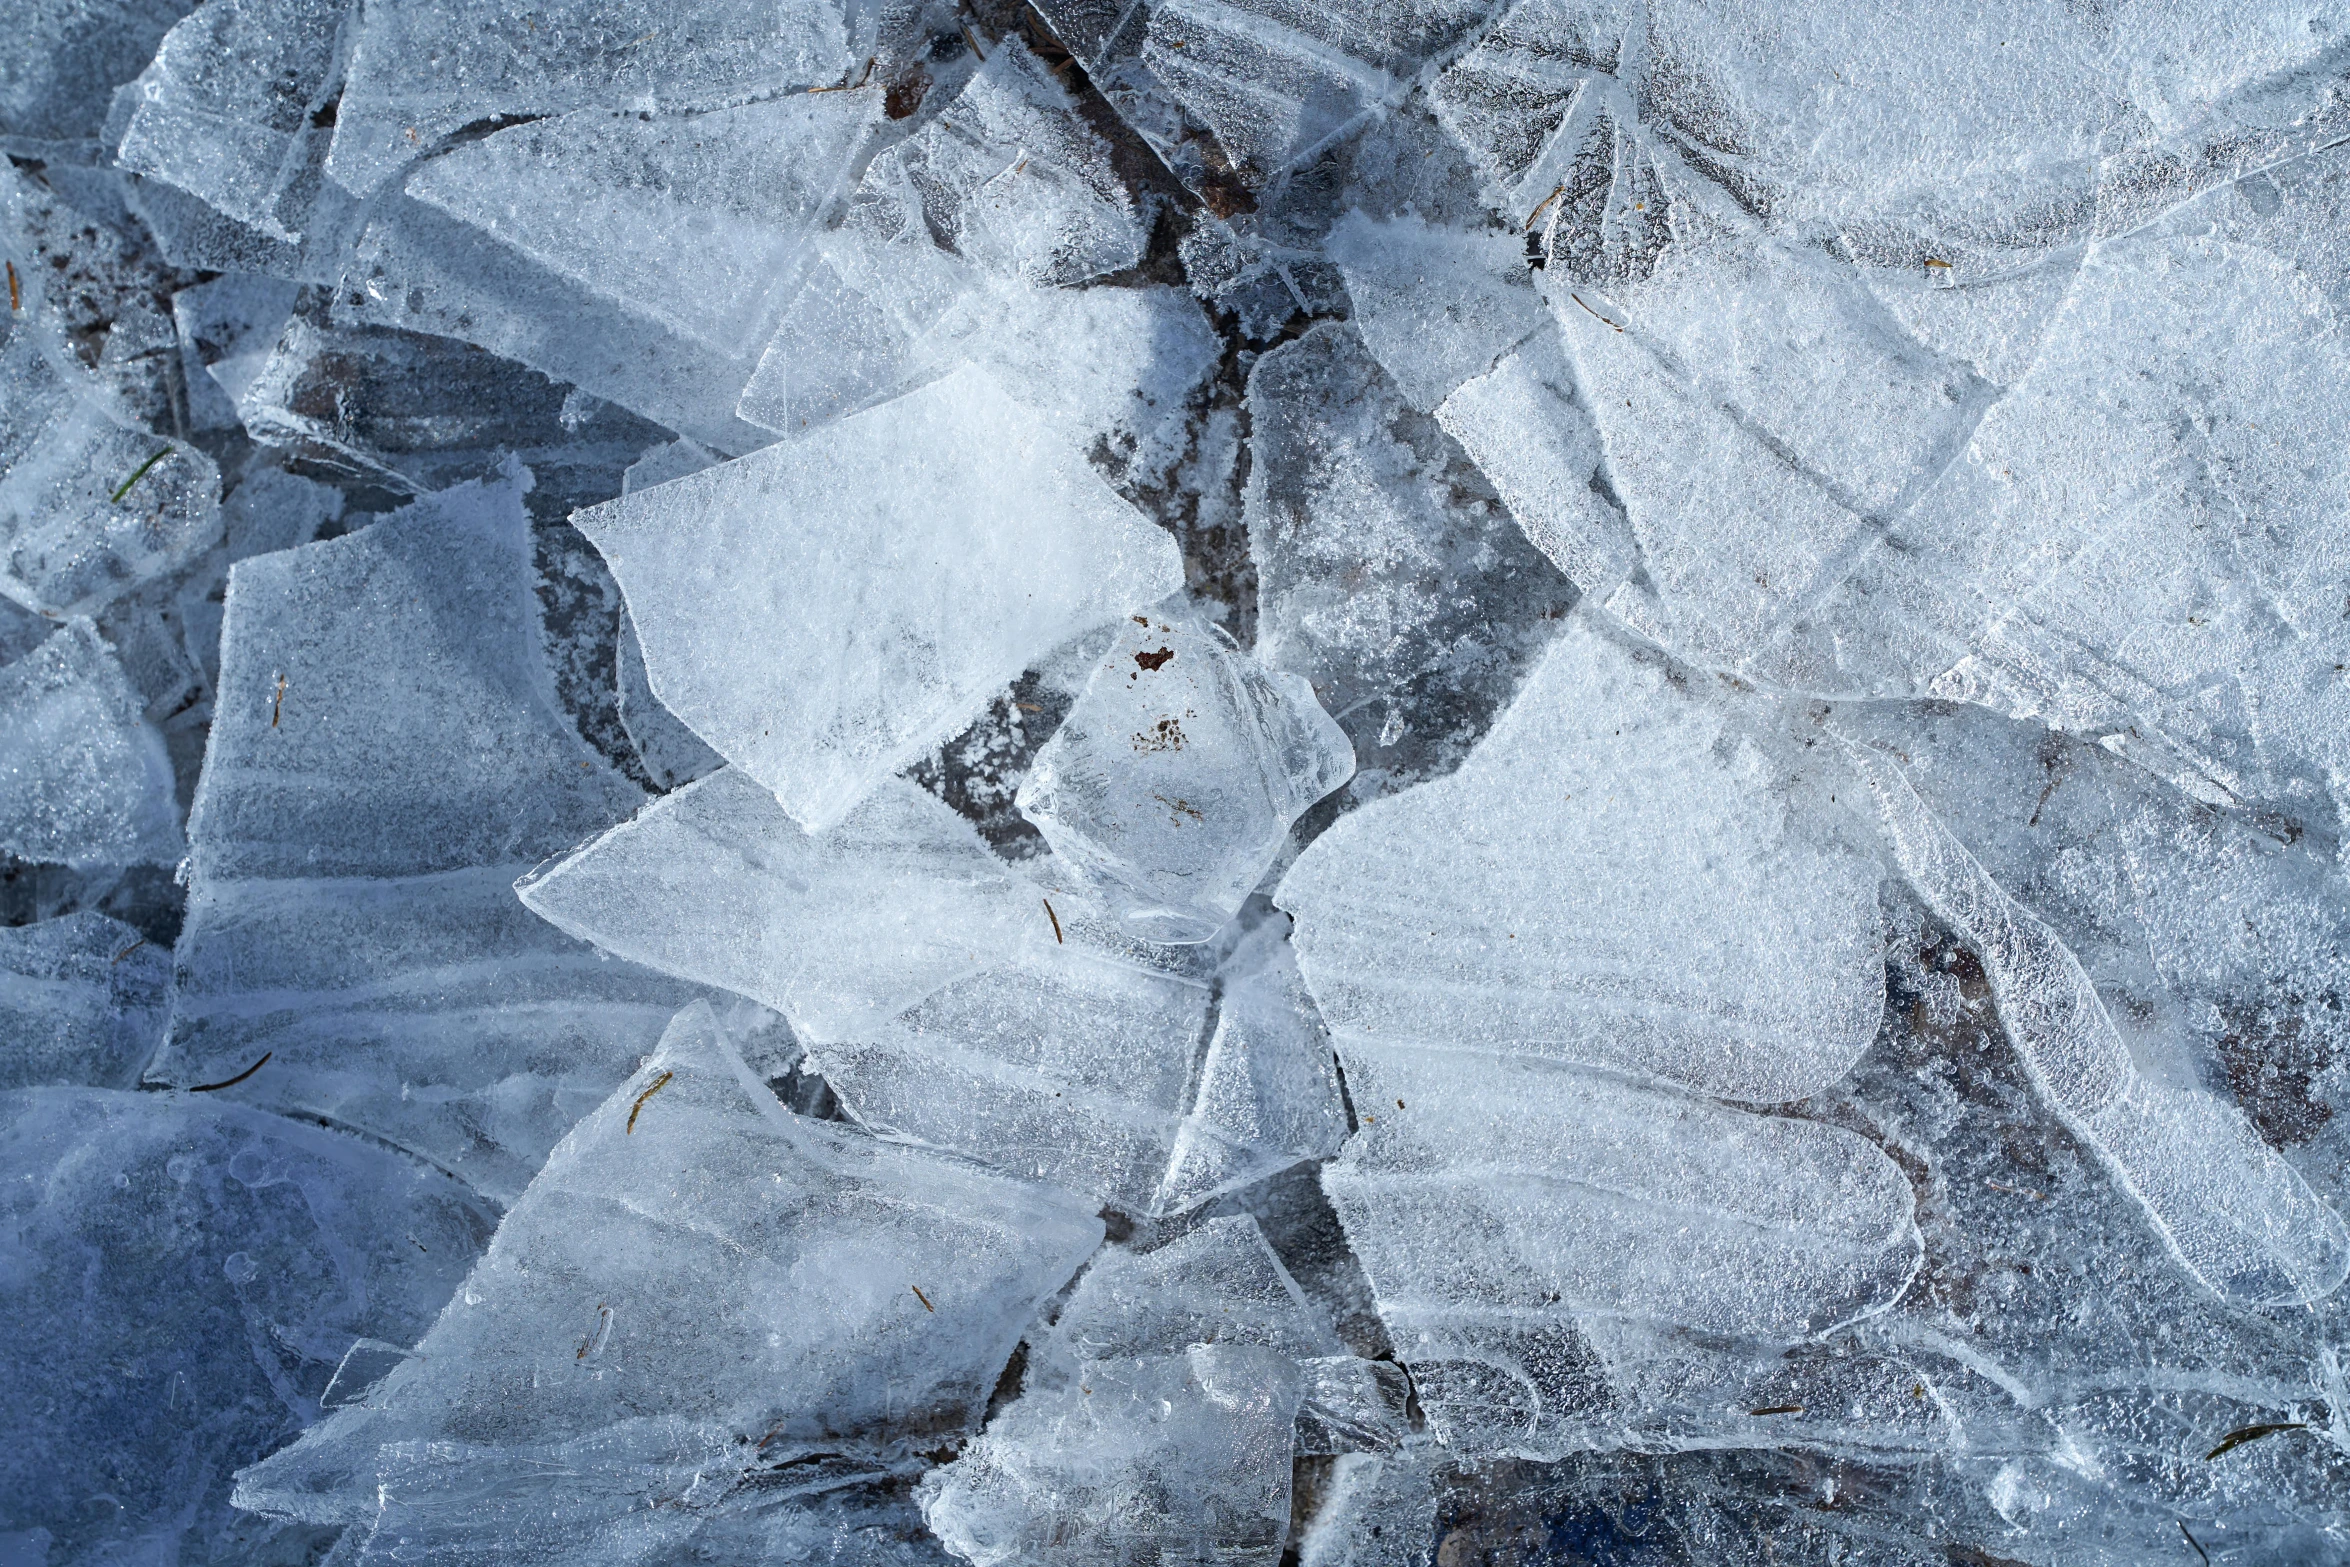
x=838 y=931
x=698 y=221
x=183 y=1276
x=60 y=64
x=1613 y=879
x=81 y=1002
x=351 y=915
x=231 y=90
x=1171 y=785
x=672 y=754
x=424 y=69
x=2239 y=1218
x=822 y=658
x=1158 y=1418
x=700 y=1290
x=84 y=778
x=1268 y=1093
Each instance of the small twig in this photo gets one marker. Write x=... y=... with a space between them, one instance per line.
x=2242 y=1434
x=277 y=703
x=231 y=1082
x=2020 y=1191
x=1056 y=919
x=125 y=487
x=973 y=41
x=15 y=290
x=2198 y=1544
x=918 y=1295
x=1556 y=192
x=1778 y=1409
x=659 y=1083
x=595 y=1341
x=127 y=951
x=1593 y=314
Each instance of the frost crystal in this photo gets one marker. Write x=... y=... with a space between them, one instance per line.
x=1174 y=783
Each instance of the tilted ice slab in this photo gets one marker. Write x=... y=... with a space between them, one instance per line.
x=183 y=1277
x=973 y=240
x=1157 y=1419
x=83 y=776
x=223 y=111
x=387 y=756
x=700 y=1290
x=838 y=931
x=1610 y=880
x=91 y=505
x=81 y=1002
x=2241 y=1219
x=825 y=609
x=948 y=1002
x=1172 y=784
x=421 y=69
x=697 y=221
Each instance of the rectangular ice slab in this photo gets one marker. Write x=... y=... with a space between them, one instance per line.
x=825 y=609
x=700 y=1291
x=387 y=757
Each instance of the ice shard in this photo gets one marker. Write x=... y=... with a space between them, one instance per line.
x=930 y=549
x=83 y=776
x=699 y=1292
x=352 y=922
x=1172 y=784
x=81 y=1002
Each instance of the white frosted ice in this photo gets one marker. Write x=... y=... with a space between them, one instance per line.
x=881 y=618
x=81 y=1002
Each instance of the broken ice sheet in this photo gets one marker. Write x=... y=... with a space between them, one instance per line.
x=821 y=656
x=696 y=221
x=699 y=1291
x=351 y=915
x=838 y=931
x=84 y=780
x=181 y=1276
x=1389 y=574
x=1171 y=785
x=1615 y=878
x=91 y=504
x=219 y=111
x=81 y=1002
x=422 y=69
x=2241 y=1219
x=1157 y=1417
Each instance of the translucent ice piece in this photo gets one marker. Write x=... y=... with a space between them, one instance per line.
x=1278 y=80
x=939 y=543
x=838 y=931
x=2238 y=1217
x=1388 y=574
x=91 y=505
x=1498 y=1202
x=697 y=221
x=1505 y=98
x=1172 y=783
x=351 y=914
x=81 y=1002
x=1611 y=879
x=61 y=62
x=183 y=1275
x=83 y=777
x=422 y=69
x=1158 y=1422
x=1268 y=1092
x=1058 y=1066
x=219 y=110
x=700 y=1289
x=673 y=755
x=227 y=328
x=1437 y=306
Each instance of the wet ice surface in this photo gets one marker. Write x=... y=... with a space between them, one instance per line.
x=1174 y=781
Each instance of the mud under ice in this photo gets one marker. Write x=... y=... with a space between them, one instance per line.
x=884 y=783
